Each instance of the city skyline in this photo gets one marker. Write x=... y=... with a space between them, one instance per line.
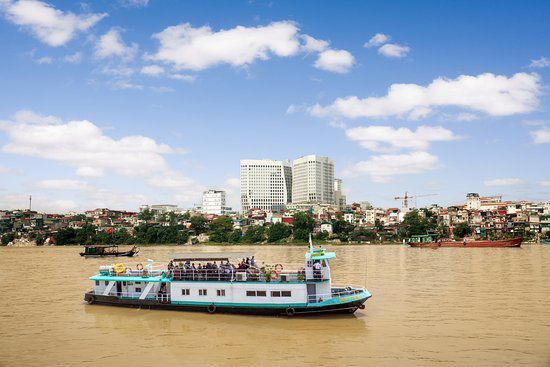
x=119 y=104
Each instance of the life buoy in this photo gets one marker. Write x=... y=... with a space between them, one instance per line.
x=211 y=308
x=91 y=300
x=279 y=267
x=290 y=311
x=362 y=307
x=119 y=268
x=139 y=267
x=274 y=274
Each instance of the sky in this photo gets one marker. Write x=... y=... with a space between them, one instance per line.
x=129 y=102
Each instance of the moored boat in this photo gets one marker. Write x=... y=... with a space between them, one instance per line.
x=246 y=289
x=514 y=242
x=107 y=250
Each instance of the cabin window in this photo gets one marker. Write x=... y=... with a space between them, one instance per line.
x=260 y=294
x=97 y=282
x=138 y=282
x=221 y=292
x=251 y=293
x=309 y=263
x=286 y=294
x=138 y=290
x=203 y=292
x=185 y=292
x=123 y=283
x=106 y=283
x=275 y=293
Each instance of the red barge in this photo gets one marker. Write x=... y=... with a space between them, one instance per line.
x=514 y=242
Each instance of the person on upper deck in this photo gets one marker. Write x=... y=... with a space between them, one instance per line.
x=317 y=270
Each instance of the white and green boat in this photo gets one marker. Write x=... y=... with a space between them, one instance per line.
x=220 y=287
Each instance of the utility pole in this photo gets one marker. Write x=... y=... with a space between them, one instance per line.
x=30 y=202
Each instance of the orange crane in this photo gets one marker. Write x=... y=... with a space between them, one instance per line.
x=407 y=197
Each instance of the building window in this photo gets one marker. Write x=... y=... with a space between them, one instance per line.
x=185 y=292
x=221 y=292
x=138 y=290
x=286 y=294
x=97 y=282
x=203 y=292
x=106 y=283
x=275 y=293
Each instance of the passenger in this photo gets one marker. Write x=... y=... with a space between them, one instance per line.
x=253 y=261
x=317 y=270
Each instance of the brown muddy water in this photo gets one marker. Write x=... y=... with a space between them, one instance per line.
x=430 y=307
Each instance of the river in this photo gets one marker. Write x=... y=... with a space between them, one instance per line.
x=436 y=307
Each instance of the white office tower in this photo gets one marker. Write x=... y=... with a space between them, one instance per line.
x=265 y=184
x=313 y=180
x=339 y=197
x=473 y=201
x=213 y=202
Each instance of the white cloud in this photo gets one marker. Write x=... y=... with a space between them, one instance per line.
x=163 y=89
x=495 y=95
x=544 y=183
x=503 y=182
x=543 y=62
x=50 y=25
x=74 y=185
x=466 y=116
x=19 y=201
x=233 y=183
x=386 y=138
x=75 y=58
x=183 y=77
x=541 y=136
x=30 y=117
x=112 y=45
x=125 y=84
x=44 y=60
x=134 y=3
x=377 y=40
x=84 y=146
x=338 y=61
x=394 y=50
x=382 y=168
x=152 y=70
x=199 y=48
x=313 y=44
x=119 y=70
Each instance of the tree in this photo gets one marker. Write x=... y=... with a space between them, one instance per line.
x=302 y=226
x=254 y=234
x=235 y=236
x=8 y=237
x=278 y=231
x=461 y=230
x=220 y=229
x=146 y=215
x=416 y=224
x=198 y=224
x=342 y=229
x=362 y=234
x=321 y=235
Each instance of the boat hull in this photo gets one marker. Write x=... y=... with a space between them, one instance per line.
x=128 y=253
x=514 y=242
x=346 y=308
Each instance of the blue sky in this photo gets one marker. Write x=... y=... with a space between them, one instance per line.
x=122 y=103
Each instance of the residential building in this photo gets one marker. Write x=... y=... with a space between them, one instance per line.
x=213 y=202
x=313 y=180
x=265 y=184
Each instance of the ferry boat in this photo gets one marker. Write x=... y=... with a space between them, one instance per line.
x=431 y=242
x=107 y=250
x=249 y=289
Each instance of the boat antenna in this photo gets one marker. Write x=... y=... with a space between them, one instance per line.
x=310 y=244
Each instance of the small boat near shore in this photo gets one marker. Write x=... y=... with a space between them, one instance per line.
x=219 y=286
x=107 y=250
x=420 y=241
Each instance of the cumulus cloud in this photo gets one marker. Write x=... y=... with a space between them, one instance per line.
x=134 y=3
x=544 y=183
x=196 y=49
x=503 y=182
x=377 y=40
x=111 y=45
x=50 y=25
x=495 y=95
x=44 y=60
x=337 y=61
x=543 y=62
x=386 y=138
x=84 y=146
x=541 y=136
x=31 y=117
x=383 y=168
x=394 y=50
x=313 y=45
x=152 y=70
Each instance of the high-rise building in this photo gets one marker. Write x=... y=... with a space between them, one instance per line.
x=213 y=202
x=265 y=184
x=313 y=180
x=339 y=197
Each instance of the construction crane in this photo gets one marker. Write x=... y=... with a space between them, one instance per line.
x=407 y=197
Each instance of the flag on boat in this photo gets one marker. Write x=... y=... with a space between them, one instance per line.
x=110 y=230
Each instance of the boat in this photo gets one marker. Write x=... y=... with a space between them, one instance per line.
x=430 y=241
x=248 y=289
x=107 y=250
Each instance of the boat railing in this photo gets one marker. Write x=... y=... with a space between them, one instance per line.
x=335 y=293
x=242 y=275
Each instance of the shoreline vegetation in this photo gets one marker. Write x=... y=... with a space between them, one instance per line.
x=221 y=231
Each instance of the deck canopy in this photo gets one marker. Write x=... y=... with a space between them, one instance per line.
x=211 y=256
x=320 y=255
x=100 y=246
